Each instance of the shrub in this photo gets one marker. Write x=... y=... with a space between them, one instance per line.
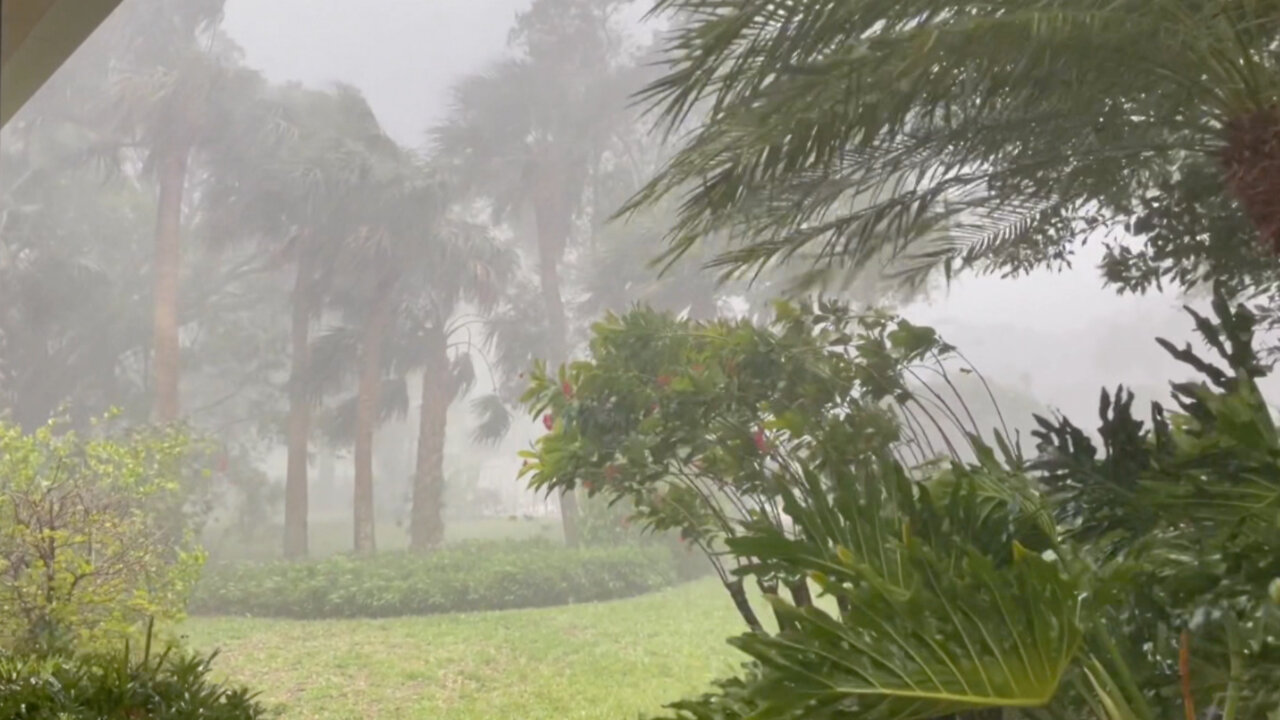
x=467 y=577
x=173 y=686
x=94 y=535
x=686 y=422
x=1134 y=578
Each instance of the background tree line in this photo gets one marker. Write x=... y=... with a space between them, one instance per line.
x=189 y=242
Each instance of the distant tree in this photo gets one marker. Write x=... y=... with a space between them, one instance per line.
x=177 y=92
x=291 y=194
x=460 y=267
x=404 y=270
x=71 y=320
x=367 y=294
x=527 y=135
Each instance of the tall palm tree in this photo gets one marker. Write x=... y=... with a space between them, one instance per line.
x=957 y=132
x=527 y=135
x=400 y=228
x=376 y=277
x=461 y=267
x=176 y=94
x=292 y=192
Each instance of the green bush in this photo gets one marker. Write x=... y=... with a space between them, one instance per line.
x=467 y=577
x=96 y=535
x=173 y=686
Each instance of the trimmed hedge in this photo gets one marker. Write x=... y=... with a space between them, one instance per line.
x=173 y=686
x=463 y=578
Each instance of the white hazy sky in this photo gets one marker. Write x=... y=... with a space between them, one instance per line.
x=1062 y=335
x=404 y=54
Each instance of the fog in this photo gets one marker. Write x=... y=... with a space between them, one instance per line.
x=389 y=344
x=1054 y=338
x=1063 y=334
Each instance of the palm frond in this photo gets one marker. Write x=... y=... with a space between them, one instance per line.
x=494 y=419
x=851 y=127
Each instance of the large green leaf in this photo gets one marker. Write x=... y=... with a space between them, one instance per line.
x=937 y=617
x=957 y=638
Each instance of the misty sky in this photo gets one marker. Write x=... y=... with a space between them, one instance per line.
x=404 y=54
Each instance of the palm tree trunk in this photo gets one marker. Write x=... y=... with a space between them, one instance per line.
x=168 y=264
x=426 y=520
x=326 y=467
x=1251 y=158
x=299 y=425
x=553 y=224
x=367 y=401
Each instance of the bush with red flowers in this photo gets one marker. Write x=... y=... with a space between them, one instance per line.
x=682 y=426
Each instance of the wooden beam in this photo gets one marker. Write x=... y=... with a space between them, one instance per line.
x=36 y=37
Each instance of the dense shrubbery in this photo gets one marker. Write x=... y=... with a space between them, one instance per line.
x=468 y=577
x=96 y=534
x=1132 y=579
x=96 y=687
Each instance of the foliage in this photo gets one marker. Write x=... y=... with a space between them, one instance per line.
x=463 y=578
x=96 y=534
x=60 y=348
x=831 y=130
x=688 y=421
x=170 y=686
x=1128 y=584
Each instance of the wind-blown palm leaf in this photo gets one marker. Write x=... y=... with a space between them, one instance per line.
x=494 y=419
x=837 y=128
x=339 y=419
x=333 y=360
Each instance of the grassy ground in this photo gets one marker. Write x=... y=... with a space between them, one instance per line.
x=615 y=660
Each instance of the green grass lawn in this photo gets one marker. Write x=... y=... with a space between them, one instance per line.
x=612 y=660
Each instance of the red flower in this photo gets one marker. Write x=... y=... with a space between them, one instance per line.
x=567 y=389
x=589 y=485
x=611 y=472
x=547 y=421
x=762 y=443
x=664 y=380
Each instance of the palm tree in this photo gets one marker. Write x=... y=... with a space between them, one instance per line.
x=177 y=96
x=400 y=229
x=376 y=275
x=951 y=132
x=462 y=267
x=292 y=193
x=527 y=135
